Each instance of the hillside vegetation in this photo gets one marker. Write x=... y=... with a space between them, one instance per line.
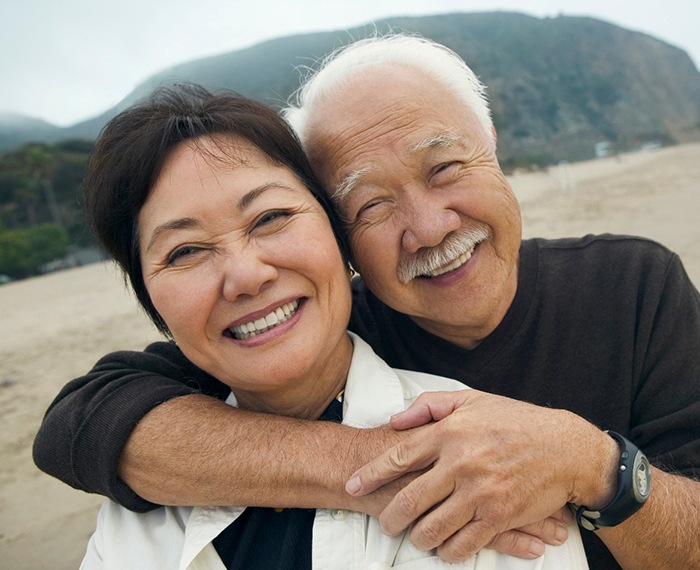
x=557 y=87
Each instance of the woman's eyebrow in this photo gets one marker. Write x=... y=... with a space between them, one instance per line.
x=249 y=197
x=172 y=225
x=187 y=223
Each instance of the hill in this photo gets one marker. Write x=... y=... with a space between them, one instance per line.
x=17 y=129
x=557 y=85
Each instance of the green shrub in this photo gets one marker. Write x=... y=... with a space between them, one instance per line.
x=24 y=251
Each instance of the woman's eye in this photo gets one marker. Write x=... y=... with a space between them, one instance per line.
x=272 y=216
x=181 y=253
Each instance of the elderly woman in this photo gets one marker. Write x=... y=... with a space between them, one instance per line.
x=210 y=208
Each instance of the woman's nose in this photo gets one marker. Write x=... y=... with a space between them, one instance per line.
x=246 y=274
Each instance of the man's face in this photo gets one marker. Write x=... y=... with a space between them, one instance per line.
x=434 y=225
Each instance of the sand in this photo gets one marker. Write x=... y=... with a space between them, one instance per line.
x=54 y=327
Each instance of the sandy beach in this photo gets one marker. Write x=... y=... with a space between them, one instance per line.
x=54 y=327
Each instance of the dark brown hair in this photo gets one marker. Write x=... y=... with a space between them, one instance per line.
x=132 y=148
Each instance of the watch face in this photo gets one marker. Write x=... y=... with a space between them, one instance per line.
x=642 y=478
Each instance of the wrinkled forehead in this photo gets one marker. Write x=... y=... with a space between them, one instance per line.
x=388 y=103
x=412 y=154
x=362 y=132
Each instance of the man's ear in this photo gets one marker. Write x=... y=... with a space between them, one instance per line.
x=494 y=133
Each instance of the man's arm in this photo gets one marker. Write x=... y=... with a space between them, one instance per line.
x=150 y=428
x=84 y=430
x=196 y=450
x=246 y=458
x=148 y=422
x=511 y=443
x=664 y=533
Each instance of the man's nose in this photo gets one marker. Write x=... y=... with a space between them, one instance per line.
x=427 y=222
x=246 y=274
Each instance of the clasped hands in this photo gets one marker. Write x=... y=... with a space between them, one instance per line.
x=497 y=474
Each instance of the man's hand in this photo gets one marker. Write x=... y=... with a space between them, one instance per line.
x=497 y=464
x=529 y=541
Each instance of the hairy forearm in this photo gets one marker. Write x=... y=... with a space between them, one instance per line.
x=664 y=533
x=195 y=450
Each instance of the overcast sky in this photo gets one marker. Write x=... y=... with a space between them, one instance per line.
x=69 y=60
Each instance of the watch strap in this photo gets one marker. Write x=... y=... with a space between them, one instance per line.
x=628 y=497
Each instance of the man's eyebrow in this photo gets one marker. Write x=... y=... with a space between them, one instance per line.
x=440 y=140
x=352 y=180
x=348 y=184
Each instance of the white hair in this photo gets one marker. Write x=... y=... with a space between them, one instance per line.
x=336 y=71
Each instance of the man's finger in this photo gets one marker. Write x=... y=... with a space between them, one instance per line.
x=413 y=501
x=529 y=541
x=466 y=542
x=429 y=407
x=418 y=414
x=518 y=544
x=413 y=454
x=550 y=531
x=439 y=524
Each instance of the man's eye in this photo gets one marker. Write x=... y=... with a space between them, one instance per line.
x=368 y=208
x=444 y=171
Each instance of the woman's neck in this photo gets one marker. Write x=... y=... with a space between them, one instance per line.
x=309 y=398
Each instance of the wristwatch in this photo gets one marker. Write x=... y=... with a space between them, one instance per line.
x=633 y=488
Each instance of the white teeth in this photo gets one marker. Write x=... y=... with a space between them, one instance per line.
x=279 y=315
x=461 y=260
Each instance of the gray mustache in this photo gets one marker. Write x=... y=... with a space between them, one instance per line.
x=454 y=245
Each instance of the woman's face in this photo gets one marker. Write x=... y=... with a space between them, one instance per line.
x=240 y=261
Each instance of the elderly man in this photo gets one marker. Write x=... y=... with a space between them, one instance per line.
x=598 y=333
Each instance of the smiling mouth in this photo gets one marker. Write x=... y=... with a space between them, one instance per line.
x=253 y=328
x=456 y=264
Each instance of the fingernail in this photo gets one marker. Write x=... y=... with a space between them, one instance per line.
x=353 y=485
x=536 y=548
x=562 y=533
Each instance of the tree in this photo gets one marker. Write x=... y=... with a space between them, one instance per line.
x=41 y=164
x=40 y=183
x=24 y=251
